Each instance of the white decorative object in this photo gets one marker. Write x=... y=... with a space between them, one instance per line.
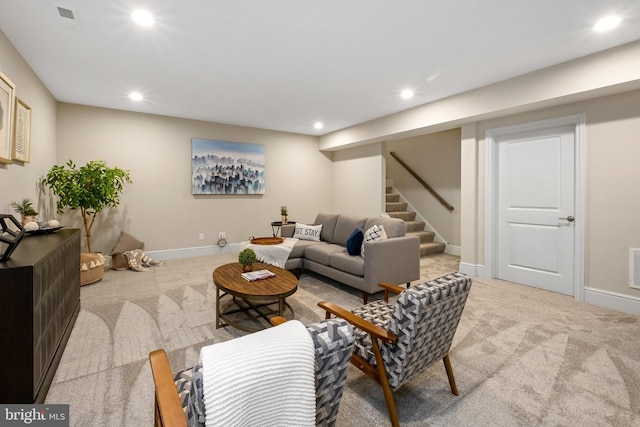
x=31 y=226
x=274 y=254
x=267 y=377
x=53 y=223
x=374 y=233
x=307 y=232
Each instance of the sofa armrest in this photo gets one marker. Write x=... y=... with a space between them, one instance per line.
x=395 y=260
x=287 y=230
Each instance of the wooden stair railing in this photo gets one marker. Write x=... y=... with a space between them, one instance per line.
x=421 y=181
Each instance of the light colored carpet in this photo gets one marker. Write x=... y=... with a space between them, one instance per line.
x=521 y=356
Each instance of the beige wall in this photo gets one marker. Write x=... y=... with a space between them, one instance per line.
x=18 y=180
x=158 y=208
x=358 y=180
x=611 y=200
x=436 y=159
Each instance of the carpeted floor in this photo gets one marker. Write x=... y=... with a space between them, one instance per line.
x=521 y=356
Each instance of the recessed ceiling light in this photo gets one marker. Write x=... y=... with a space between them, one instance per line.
x=607 y=23
x=406 y=94
x=318 y=125
x=136 y=96
x=142 y=17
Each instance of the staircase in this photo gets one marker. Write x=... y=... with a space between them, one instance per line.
x=397 y=209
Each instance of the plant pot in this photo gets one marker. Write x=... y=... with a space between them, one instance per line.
x=284 y=219
x=29 y=218
x=247 y=268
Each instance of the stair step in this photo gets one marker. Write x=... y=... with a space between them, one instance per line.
x=431 y=248
x=425 y=236
x=415 y=226
x=407 y=216
x=396 y=207
x=392 y=198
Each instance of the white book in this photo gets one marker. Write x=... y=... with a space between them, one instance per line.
x=257 y=275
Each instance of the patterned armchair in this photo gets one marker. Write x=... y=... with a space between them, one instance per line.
x=179 y=399
x=395 y=342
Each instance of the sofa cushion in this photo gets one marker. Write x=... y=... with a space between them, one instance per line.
x=394 y=227
x=354 y=242
x=307 y=232
x=374 y=233
x=328 y=222
x=347 y=263
x=322 y=253
x=300 y=246
x=345 y=225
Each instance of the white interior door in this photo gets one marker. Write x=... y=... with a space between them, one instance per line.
x=536 y=207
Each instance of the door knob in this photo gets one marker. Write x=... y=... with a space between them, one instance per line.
x=569 y=218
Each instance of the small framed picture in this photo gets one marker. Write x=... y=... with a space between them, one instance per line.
x=7 y=95
x=22 y=131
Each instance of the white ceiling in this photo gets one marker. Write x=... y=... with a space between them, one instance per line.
x=285 y=64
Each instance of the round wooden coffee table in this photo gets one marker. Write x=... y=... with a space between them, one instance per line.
x=252 y=298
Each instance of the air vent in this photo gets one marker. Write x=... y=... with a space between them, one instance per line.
x=67 y=16
x=634 y=268
x=66 y=13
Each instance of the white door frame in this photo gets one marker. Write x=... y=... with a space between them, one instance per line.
x=491 y=190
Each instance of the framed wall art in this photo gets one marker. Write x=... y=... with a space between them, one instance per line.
x=7 y=95
x=222 y=167
x=22 y=132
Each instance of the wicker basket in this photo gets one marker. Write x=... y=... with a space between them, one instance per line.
x=91 y=268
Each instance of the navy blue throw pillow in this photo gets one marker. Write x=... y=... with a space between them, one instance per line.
x=354 y=242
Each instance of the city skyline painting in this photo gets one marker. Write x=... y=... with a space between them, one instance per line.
x=223 y=167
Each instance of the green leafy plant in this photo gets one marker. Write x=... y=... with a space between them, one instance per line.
x=24 y=207
x=283 y=210
x=89 y=188
x=246 y=256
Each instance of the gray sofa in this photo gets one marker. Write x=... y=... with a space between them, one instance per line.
x=395 y=259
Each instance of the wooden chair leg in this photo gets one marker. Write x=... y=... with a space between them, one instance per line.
x=452 y=380
x=384 y=382
x=365 y=297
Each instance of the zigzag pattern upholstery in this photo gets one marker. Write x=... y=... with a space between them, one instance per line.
x=333 y=341
x=424 y=318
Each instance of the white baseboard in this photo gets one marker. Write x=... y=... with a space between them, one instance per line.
x=195 y=252
x=453 y=250
x=607 y=299
x=471 y=270
x=625 y=303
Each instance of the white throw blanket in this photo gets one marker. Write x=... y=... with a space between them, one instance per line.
x=263 y=379
x=274 y=254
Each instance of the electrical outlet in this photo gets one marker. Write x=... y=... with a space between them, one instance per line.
x=201 y=236
x=222 y=235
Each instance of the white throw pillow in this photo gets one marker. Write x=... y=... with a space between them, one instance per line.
x=374 y=233
x=307 y=232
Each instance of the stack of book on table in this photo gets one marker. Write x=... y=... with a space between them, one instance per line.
x=257 y=275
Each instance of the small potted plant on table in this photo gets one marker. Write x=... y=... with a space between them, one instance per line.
x=247 y=257
x=25 y=209
x=284 y=213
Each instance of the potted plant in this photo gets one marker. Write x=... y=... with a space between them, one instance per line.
x=247 y=257
x=25 y=209
x=89 y=188
x=284 y=213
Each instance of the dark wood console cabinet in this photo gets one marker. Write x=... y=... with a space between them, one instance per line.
x=39 y=304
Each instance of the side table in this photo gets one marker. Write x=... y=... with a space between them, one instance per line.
x=276 y=225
